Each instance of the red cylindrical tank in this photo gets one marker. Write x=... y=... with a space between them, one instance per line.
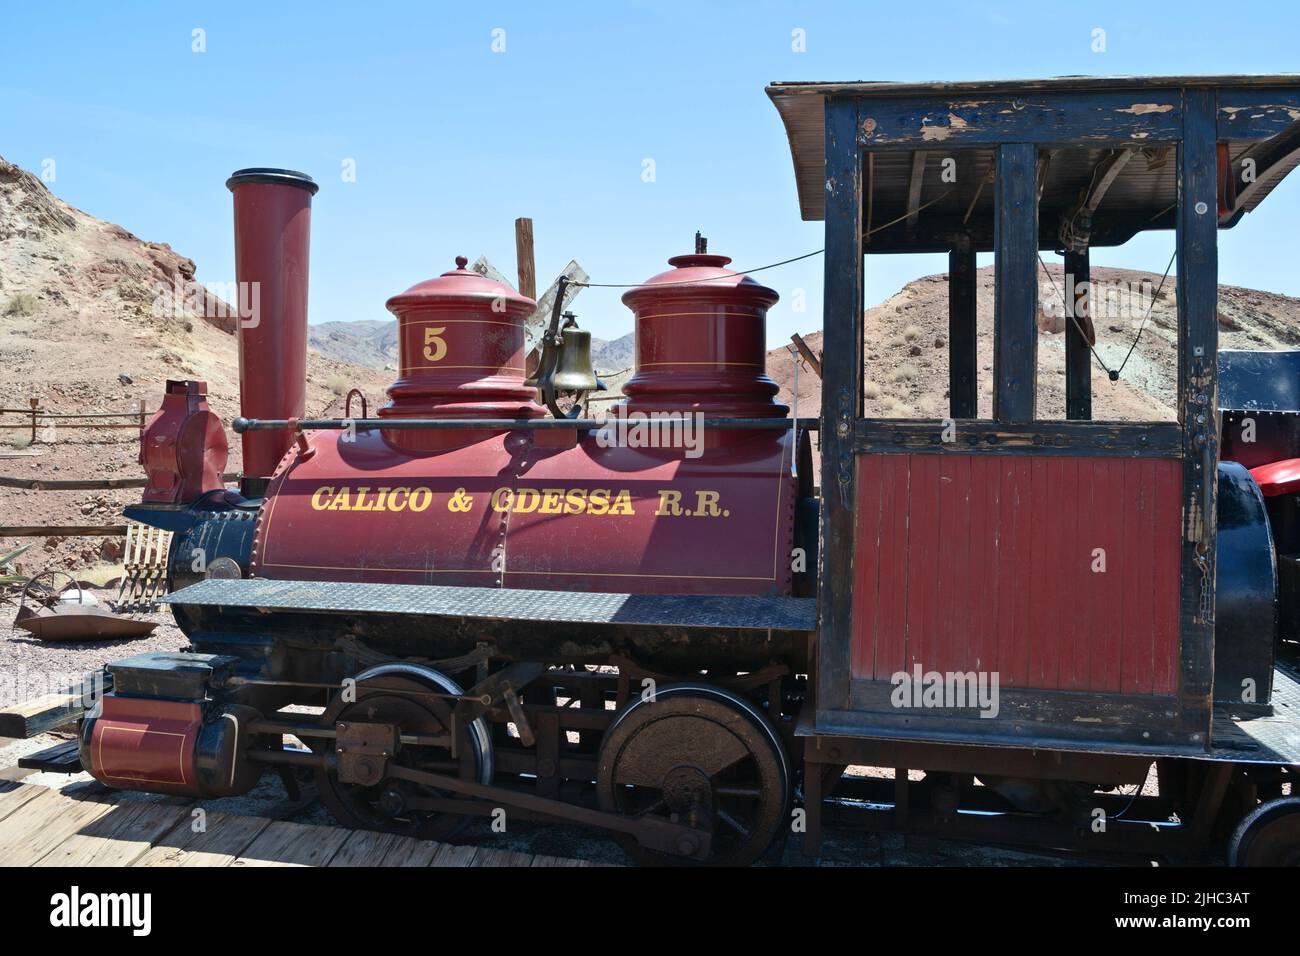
x=272 y=243
x=461 y=347
x=701 y=342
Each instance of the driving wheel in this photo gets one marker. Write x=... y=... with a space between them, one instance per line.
x=701 y=756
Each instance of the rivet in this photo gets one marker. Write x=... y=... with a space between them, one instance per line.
x=1202 y=209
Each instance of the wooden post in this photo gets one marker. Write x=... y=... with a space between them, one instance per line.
x=1198 y=334
x=842 y=344
x=524 y=254
x=34 y=403
x=813 y=361
x=963 y=393
x=1078 y=358
x=1015 y=242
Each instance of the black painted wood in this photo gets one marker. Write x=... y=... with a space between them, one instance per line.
x=841 y=397
x=933 y=122
x=1078 y=358
x=1015 y=345
x=1198 y=398
x=963 y=362
x=1025 y=717
x=1256 y=113
x=1085 y=439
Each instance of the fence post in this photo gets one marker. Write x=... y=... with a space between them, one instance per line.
x=34 y=402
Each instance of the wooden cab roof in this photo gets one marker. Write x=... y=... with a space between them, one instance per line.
x=1107 y=162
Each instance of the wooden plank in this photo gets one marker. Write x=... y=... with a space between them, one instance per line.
x=490 y=857
x=543 y=859
x=1136 y=118
x=1078 y=358
x=1198 y=298
x=866 y=574
x=61 y=758
x=963 y=360
x=42 y=824
x=41 y=714
x=1107 y=591
x=13 y=796
x=914 y=188
x=293 y=844
x=1165 y=584
x=841 y=398
x=894 y=436
x=1139 y=539
x=118 y=838
x=806 y=351
x=891 y=619
x=224 y=838
x=524 y=258
x=370 y=848
x=1015 y=347
x=450 y=856
x=61 y=530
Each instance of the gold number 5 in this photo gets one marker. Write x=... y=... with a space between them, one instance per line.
x=435 y=346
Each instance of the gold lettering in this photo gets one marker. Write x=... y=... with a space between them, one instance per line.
x=379 y=499
x=342 y=501
x=392 y=499
x=435 y=346
x=361 y=503
x=622 y=504
x=526 y=501
x=575 y=502
x=317 y=498
x=552 y=501
x=670 y=503
x=706 y=504
x=598 y=501
x=501 y=499
x=421 y=498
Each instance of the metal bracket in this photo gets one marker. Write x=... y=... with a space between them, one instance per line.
x=363 y=750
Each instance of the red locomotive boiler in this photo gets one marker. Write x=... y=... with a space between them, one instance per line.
x=498 y=605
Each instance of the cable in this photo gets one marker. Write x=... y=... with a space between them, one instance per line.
x=728 y=275
x=771 y=265
x=1069 y=311
x=1113 y=374
x=1155 y=298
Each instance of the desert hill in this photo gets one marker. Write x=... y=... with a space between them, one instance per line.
x=373 y=343
x=907 y=357
x=94 y=319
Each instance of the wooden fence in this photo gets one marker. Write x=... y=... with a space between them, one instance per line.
x=38 y=417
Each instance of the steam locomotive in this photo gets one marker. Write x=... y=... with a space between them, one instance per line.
x=478 y=599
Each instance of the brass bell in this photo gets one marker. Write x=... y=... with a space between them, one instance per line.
x=572 y=364
x=573 y=371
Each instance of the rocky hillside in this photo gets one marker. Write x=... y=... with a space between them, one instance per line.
x=373 y=343
x=907 y=339
x=94 y=319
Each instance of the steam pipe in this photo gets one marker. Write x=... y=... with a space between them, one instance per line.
x=272 y=244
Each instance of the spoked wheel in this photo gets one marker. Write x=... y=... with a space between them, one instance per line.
x=1268 y=836
x=405 y=695
x=702 y=756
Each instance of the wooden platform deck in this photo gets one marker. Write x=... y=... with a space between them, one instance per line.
x=43 y=827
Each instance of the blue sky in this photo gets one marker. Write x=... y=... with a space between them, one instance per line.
x=452 y=141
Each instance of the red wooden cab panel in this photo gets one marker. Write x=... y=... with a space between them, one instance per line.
x=986 y=563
